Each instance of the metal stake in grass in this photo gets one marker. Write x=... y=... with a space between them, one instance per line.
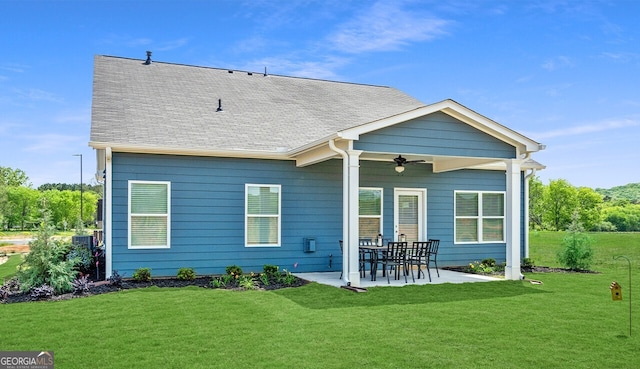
x=628 y=262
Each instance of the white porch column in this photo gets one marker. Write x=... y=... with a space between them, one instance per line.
x=108 y=212
x=513 y=220
x=353 y=215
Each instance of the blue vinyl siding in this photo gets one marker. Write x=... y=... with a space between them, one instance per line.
x=435 y=134
x=207 y=211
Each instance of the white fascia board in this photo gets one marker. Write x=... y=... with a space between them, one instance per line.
x=448 y=164
x=317 y=155
x=491 y=127
x=140 y=149
x=457 y=111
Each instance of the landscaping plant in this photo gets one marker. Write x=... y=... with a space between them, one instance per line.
x=47 y=262
x=576 y=252
x=142 y=274
x=186 y=274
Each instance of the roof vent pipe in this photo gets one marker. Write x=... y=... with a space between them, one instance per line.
x=219 y=105
x=265 y=71
x=148 y=58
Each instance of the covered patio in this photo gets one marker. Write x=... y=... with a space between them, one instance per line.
x=446 y=276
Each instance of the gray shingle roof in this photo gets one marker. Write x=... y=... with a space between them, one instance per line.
x=173 y=106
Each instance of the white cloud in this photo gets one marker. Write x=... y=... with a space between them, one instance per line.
x=385 y=27
x=588 y=128
x=52 y=142
x=558 y=63
x=291 y=66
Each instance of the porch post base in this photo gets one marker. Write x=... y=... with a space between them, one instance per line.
x=512 y=274
x=354 y=278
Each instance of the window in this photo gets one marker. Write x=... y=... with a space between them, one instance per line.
x=370 y=212
x=149 y=214
x=262 y=209
x=479 y=217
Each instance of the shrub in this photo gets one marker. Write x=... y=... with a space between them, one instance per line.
x=83 y=256
x=270 y=270
x=527 y=263
x=4 y=293
x=115 y=279
x=142 y=275
x=489 y=262
x=481 y=267
x=576 y=252
x=81 y=285
x=12 y=284
x=234 y=271
x=43 y=292
x=46 y=263
x=186 y=274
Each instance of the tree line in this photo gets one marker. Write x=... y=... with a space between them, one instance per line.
x=553 y=206
x=21 y=205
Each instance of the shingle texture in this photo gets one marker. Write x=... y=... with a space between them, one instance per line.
x=174 y=106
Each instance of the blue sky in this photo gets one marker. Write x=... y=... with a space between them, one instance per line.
x=564 y=73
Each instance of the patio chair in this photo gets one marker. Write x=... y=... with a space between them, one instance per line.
x=419 y=256
x=395 y=257
x=366 y=257
x=433 y=255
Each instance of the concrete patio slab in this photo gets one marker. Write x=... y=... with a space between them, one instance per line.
x=446 y=276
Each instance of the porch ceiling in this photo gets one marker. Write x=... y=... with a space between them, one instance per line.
x=440 y=163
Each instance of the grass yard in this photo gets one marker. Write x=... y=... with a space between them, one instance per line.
x=569 y=321
x=8 y=269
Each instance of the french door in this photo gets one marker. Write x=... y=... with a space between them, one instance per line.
x=409 y=215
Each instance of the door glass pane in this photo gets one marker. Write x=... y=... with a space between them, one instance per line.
x=408 y=217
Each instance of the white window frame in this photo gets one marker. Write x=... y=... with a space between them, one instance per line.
x=130 y=215
x=479 y=218
x=247 y=215
x=381 y=216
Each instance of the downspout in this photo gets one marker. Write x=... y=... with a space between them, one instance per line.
x=345 y=210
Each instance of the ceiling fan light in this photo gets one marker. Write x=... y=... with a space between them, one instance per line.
x=399 y=169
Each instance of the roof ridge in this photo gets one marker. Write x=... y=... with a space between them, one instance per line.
x=252 y=72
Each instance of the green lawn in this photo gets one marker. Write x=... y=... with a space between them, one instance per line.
x=569 y=321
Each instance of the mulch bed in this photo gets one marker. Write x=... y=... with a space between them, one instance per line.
x=535 y=269
x=128 y=284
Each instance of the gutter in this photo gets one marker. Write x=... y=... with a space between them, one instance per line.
x=345 y=210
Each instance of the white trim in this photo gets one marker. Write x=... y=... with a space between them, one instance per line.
x=458 y=111
x=246 y=215
x=168 y=215
x=422 y=211
x=479 y=217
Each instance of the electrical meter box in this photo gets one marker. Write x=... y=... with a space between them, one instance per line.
x=309 y=244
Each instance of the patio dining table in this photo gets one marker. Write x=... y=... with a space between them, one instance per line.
x=377 y=254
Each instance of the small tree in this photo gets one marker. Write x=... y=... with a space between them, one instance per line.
x=576 y=252
x=47 y=262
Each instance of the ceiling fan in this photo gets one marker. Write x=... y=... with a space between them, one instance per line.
x=400 y=162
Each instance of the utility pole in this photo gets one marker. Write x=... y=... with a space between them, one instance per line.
x=81 y=192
